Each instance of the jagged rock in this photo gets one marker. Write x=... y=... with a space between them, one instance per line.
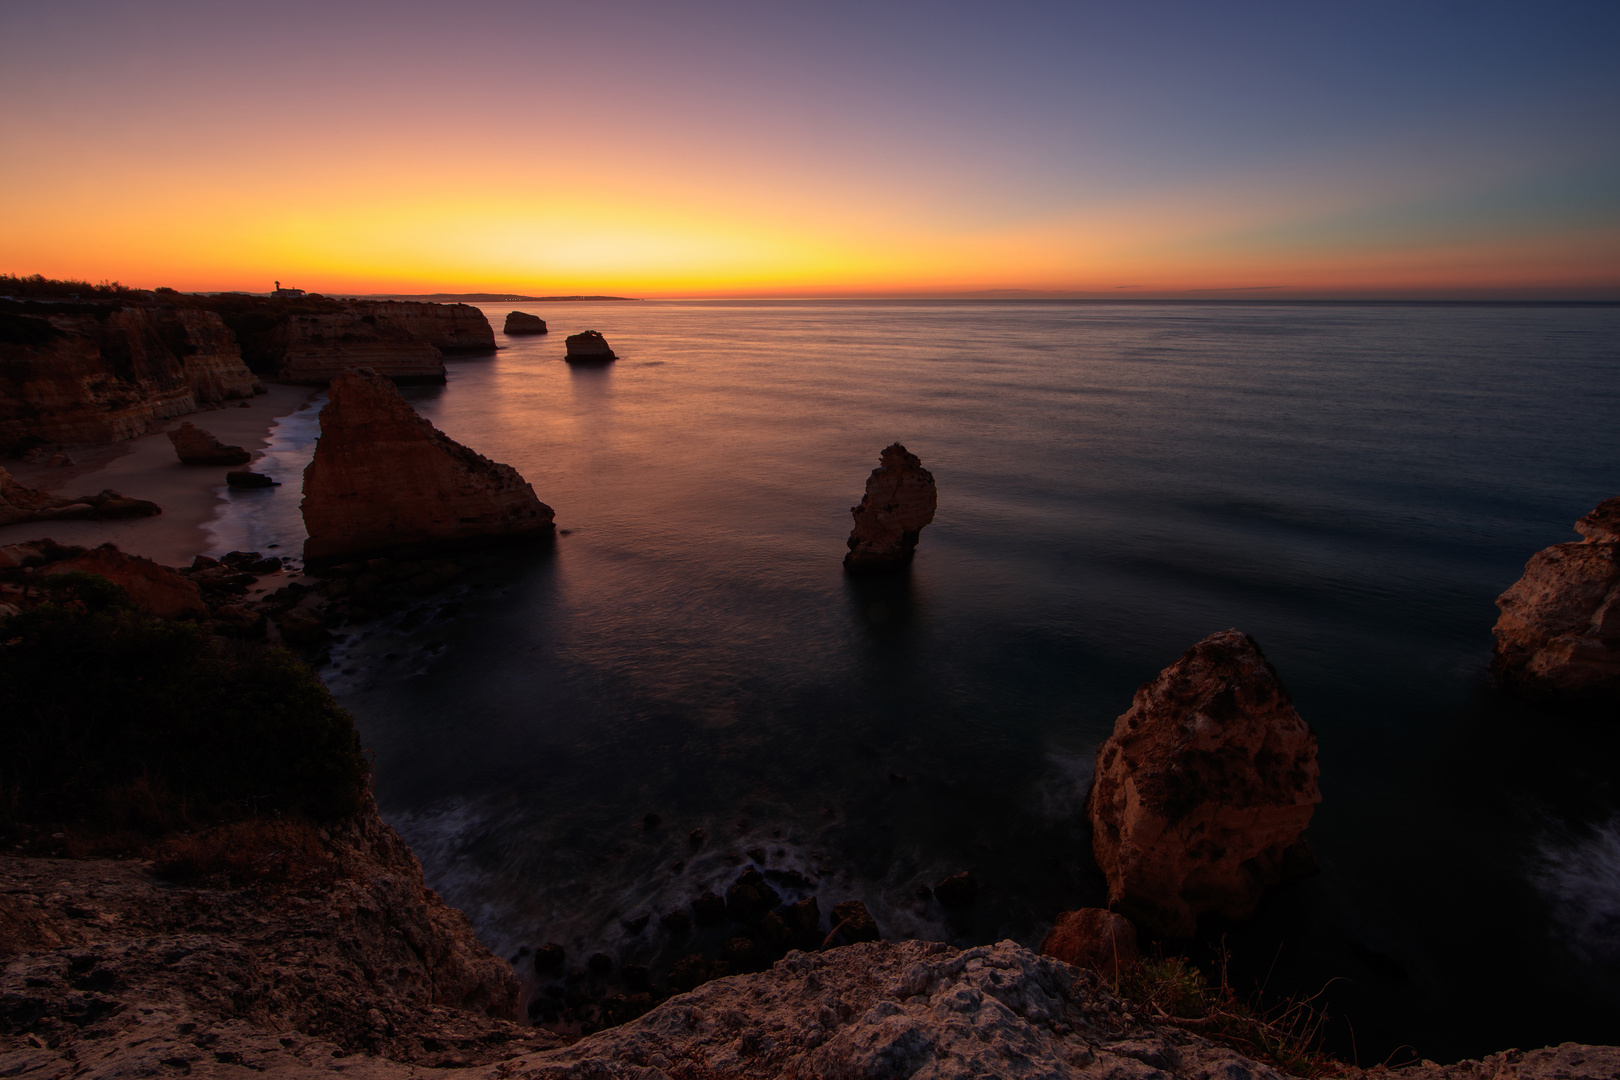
x=588 y=347
x=153 y=588
x=519 y=322
x=246 y=478
x=957 y=891
x=383 y=478
x=1559 y=631
x=449 y=328
x=1204 y=789
x=900 y=499
x=194 y=446
x=1093 y=938
x=302 y=626
x=852 y=923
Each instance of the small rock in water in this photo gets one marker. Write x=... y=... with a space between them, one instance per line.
x=852 y=923
x=637 y=924
x=600 y=963
x=708 y=909
x=676 y=923
x=521 y=322
x=957 y=891
x=547 y=958
x=900 y=499
x=588 y=347
x=697 y=836
x=246 y=478
x=635 y=978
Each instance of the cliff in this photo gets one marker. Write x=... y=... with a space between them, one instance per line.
x=316 y=348
x=448 y=327
x=83 y=373
x=383 y=478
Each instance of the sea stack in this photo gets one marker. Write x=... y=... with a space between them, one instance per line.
x=383 y=479
x=519 y=322
x=194 y=446
x=1204 y=790
x=1559 y=631
x=900 y=499
x=589 y=347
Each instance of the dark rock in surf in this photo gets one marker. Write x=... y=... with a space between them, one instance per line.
x=852 y=923
x=246 y=478
x=957 y=891
x=518 y=322
x=708 y=909
x=900 y=499
x=588 y=347
x=547 y=958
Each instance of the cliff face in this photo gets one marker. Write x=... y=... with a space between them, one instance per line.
x=447 y=327
x=383 y=478
x=85 y=373
x=315 y=349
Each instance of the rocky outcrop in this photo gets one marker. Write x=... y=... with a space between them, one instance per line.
x=155 y=589
x=1093 y=938
x=20 y=504
x=520 y=322
x=384 y=479
x=588 y=347
x=450 y=328
x=1204 y=789
x=314 y=349
x=77 y=374
x=194 y=446
x=900 y=499
x=1559 y=631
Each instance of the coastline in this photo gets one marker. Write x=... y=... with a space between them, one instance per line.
x=147 y=468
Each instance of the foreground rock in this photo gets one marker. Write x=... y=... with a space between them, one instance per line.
x=900 y=499
x=384 y=479
x=589 y=347
x=519 y=322
x=155 y=589
x=1559 y=631
x=1093 y=938
x=20 y=504
x=194 y=446
x=1204 y=789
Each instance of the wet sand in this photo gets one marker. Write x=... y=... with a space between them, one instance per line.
x=146 y=468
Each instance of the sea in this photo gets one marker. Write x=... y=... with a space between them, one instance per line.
x=1352 y=484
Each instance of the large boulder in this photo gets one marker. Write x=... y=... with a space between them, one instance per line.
x=1559 y=631
x=900 y=499
x=588 y=347
x=383 y=478
x=23 y=504
x=155 y=589
x=1093 y=938
x=1204 y=790
x=521 y=322
x=194 y=446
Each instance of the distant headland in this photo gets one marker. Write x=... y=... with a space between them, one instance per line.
x=483 y=298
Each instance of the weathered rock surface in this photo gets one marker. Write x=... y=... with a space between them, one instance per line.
x=1559 y=631
x=383 y=478
x=314 y=349
x=521 y=322
x=153 y=588
x=449 y=328
x=1093 y=938
x=21 y=504
x=1204 y=789
x=78 y=374
x=194 y=446
x=900 y=499
x=588 y=347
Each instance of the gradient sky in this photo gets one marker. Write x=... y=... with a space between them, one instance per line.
x=711 y=148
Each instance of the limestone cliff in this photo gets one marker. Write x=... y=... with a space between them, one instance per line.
x=384 y=479
x=1559 y=631
x=1204 y=789
x=900 y=499
x=447 y=327
x=315 y=348
x=81 y=373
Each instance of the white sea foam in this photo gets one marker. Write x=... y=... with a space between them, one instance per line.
x=1579 y=875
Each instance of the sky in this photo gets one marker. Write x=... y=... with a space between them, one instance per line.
x=1419 y=149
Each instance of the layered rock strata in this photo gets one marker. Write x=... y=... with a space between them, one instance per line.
x=78 y=374
x=20 y=504
x=1559 y=631
x=900 y=499
x=520 y=322
x=384 y=479
x=194 y=446
x=314 y=349
x=449 y=328
x=588 y=347
x=1203 y=792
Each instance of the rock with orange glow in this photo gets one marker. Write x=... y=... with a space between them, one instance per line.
x=1093 y=938
x=384 y=479
x=447 y=327
x=588 y=347
x=315 y=348
x=154 y=589
x=1559 y=631
x=900 y=499
x=520 y=322
x=1204 y=790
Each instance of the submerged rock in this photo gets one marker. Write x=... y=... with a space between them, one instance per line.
x=1559 y=631
x=900 y=499
x=1093 y=938
x=1204 y=789
x=588 y=347
x=194 y=446
x=520 y=322
x=383 y=478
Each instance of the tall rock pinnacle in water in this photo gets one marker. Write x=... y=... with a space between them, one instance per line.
x=900 y=499
x=1559 y=632
x=1204 y=789
x=384 y=478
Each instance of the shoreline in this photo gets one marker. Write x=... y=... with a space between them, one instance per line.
x=146 y=468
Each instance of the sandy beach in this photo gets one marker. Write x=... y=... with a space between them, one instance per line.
x=147 y=468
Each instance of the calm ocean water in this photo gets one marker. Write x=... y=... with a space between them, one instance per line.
x=1351 y=484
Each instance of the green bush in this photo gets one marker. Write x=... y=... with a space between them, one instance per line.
x=117 y=721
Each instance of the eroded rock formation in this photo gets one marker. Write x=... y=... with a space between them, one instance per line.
x=1559 y=631
x=155 y=589
x=588 y=347
x=194 y=446
x=314 y=349
x=449 y=328
x=900 y=499
x=1204 y=789
x=1093 y=938
x=521 y=322
x=19 y=504
x=83 y=373
x=384 y=479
